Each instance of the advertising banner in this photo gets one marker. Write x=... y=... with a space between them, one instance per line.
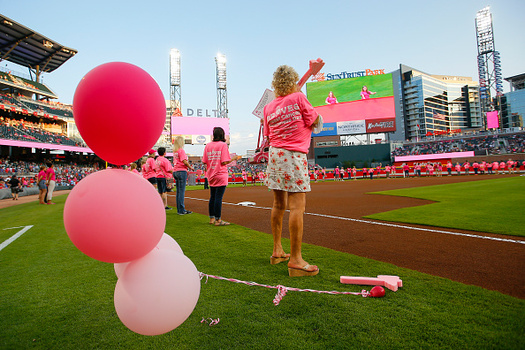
x=351 y=127
x=329 y=129
x=380 y=125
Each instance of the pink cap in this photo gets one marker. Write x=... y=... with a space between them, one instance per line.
x=151 y=151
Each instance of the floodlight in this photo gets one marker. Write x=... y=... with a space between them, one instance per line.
x=175 y=67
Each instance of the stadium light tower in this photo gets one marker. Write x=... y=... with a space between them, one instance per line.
x=489 y=63
x=175 y=96
x=222 y=98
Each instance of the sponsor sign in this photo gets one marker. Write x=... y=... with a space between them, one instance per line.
x=200 y=139
x=380 y=125
x=351 y=127
x=329 y=129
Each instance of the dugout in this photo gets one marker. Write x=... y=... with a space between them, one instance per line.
x=358 y=155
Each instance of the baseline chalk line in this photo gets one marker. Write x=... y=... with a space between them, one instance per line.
x=15 y=236
x=507 y=240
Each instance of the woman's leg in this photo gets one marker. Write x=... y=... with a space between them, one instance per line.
x=211 y=204
x=180 y=183
x=217 y=209
x=297 y=204
x=278 y=209
x=50 y=190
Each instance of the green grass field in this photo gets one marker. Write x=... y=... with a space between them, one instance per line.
x=54 y=297
x=349 y=89
x=494 y=206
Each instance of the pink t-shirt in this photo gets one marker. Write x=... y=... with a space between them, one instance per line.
x=331 y=100
x=148 y=169
x=365 y=95
x=215 y=153
x=50 y=174
x=163 y=167
x=178 y=157
x=288 y=122
x=41 y=175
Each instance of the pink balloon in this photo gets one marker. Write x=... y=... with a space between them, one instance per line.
x=166 y=242
x=120 y=105
x=119 y=268
x=157 y=293
x=114 y=216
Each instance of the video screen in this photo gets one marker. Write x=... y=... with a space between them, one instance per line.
x=354 y=105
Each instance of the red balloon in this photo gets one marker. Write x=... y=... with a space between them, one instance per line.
x=377 y=292
x=120 y=111
x=114 y=216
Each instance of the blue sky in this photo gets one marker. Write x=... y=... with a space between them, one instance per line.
x=437 y=37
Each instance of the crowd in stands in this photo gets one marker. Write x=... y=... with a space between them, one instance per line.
x=16 y=80
x=492 y=144
x=66 y=174
x=23 y=130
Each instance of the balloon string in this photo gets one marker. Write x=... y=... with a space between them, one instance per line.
x=282 y=290
x=210 y=321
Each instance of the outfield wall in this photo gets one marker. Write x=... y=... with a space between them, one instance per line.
x=330 y=157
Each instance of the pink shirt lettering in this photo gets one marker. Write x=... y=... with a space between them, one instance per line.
x=215 y=153
x=288 y=122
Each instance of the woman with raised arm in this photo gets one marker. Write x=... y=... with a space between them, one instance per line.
x=288 y=124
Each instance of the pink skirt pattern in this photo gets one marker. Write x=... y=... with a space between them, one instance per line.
x=287 y=171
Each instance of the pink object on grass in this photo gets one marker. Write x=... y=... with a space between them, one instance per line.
x=390 y=282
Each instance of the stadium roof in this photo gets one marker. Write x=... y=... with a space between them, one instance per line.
x=27 y=48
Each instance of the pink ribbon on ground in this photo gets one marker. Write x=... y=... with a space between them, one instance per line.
x=282 y=290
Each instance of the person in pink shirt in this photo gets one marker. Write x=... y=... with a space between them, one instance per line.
x=244 y=176
x=288 y=124
x=466 y=165
x=387 y=171
x=482 y=167
x=163 y=169
x=354 y=173
x=502 y=166
x=216 y=157
x=439 y=169
x=458 y=169
x=406 y=170
x=365 y=173
x=331 y=99
x=51 y=182
x=148 y=168
x=449 y=168
x=430 y=168
x=133 y=169
x=336 y=173
x=180 y=173
x=510 y=166
x=475 y=166
x=41 y=181
x=495 y=167
x=417 y=169
x=393 y=170
x=365 y=93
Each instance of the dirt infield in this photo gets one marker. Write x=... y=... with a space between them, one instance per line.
x=331 y=206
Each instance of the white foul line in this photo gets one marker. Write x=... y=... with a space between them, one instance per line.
x=15 y=236
x=389 y=224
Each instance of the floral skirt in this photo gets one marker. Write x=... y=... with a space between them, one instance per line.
x=287 y=171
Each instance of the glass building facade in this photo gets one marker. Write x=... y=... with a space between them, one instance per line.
x=434 y=104
x=513 y=103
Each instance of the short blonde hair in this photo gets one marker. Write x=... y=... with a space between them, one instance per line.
x=178 y=143
x=285 y=81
